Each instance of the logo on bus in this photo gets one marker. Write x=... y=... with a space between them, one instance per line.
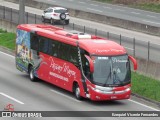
x=62 y=68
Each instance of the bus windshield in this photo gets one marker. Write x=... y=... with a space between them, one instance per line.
x=111 y=71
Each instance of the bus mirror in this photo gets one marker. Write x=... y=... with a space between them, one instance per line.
x=91 y=64
x=135 y=65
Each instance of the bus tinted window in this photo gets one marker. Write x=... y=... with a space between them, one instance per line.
x=34 y=42
x=63 y=51
x=73 y=55
x=54 y=48
x=44 y=45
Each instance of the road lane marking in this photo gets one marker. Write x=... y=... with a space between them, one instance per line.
x=151 y=22
x=65 y=96
x=128 y=48
x=11 y=98
x=119 y=10
x=107 y=7
x=7 y=54
x=151 y=16
x=82 y=2
x=135 y=13
x=143 y=105
x=51 y=1
x=94 y=9
x=94 y=5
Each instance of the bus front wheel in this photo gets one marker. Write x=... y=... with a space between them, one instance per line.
x=77 y=92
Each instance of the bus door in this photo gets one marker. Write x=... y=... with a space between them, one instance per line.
x=35 y=55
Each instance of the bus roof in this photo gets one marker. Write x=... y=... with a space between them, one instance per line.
x=93 y=44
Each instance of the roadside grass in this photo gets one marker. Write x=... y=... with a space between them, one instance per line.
x=7 y=40
x=3 y=31
x=146 y=86
x=107 y=1
x=150 y=6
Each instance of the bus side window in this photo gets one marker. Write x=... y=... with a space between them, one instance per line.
x=73 y=55
x=44 y=45
x=34 y=42
x=53 y=48
x=63 y=51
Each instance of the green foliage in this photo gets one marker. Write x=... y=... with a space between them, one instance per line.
x=146 y=86
x=140 y=4
x=149 y=6
x=109 y=1
x=8 y=40
x=3 y=31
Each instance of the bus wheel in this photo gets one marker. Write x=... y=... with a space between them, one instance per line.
x=77 y=92
x=31 y=74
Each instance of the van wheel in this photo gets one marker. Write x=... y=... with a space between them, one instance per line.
x=77 y=92
x=52 y=21
x=31 y=74
x=43 y=19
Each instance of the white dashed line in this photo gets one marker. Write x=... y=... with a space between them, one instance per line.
x=107 y=7
x=65 y=96
x=144 y=105
x=82 y=2
x=93 y=4
x=135 y=13
x=129 y=48
x=11 y=98
x=94 y=10
x=151 y=22
x=151 y=16
x=119 y=10
x=7 y=54
x=51 y=1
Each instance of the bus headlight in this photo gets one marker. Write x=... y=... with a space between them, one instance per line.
x=109 y=90
x=128 y=89
x=106 y=90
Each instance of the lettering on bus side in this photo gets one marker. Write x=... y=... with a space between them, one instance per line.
x=61 y=68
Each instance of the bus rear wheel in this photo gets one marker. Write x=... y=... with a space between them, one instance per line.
x=77 y=92
x=31 y=74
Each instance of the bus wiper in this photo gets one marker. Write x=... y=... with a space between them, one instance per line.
x=109 y=75
x=115 y=76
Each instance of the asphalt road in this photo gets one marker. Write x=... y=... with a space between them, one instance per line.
x=141 y=42
x=140 y=16
x=17 y=89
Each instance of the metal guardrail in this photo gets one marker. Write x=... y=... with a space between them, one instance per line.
x=137 y=48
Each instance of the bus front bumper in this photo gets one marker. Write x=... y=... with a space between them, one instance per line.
x=97 y=95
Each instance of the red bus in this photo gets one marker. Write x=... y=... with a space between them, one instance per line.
x=87 y=65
